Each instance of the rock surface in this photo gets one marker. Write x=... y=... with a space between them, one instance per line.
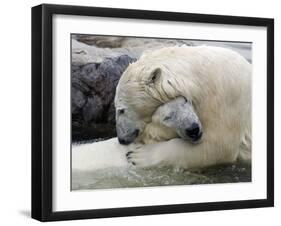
x=92 y=95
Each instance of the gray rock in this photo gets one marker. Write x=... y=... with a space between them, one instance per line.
x=93 y=109
x=92 y=97
x=95 y=49
x=78 y=99
x=100 y=41
x=83 y=54
x=115 y=42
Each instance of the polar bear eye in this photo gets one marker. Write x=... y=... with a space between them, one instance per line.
x=167 y=118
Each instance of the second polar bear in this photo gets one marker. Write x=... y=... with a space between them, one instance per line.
x=171 y=120
x=217 y=83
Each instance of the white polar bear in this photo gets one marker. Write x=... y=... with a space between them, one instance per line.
x=217 y=84
x=171 y=120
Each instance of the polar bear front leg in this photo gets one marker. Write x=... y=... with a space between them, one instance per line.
x=179 y=153
x=99 y=155
x=161 y=153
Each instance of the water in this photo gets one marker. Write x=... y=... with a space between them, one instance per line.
x=158 y=176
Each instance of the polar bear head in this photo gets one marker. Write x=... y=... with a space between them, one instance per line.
x=171 y=120
x=176 y=118
x=179 y=116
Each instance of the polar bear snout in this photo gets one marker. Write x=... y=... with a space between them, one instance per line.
x=128 y=125
x=128 y=138
x=194 y=132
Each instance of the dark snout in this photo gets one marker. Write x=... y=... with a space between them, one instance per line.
x=194 y=132
x=128 y=138
x=124 y=141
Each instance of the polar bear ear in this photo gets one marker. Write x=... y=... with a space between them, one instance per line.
x=155 y=75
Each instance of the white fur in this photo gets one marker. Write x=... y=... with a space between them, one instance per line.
x=216 y=80
x=103 y=154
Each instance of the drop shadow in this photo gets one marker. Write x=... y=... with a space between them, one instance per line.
x=25 y=213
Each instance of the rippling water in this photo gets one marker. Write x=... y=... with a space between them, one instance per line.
x=158 y=176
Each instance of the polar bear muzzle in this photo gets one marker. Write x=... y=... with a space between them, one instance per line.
x=128 y=125
x=129 y=138
x=180 y=116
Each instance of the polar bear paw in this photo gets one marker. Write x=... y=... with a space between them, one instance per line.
x=142 y=156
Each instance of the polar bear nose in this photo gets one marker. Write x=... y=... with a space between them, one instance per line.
x=128 y=138
x=193 y=131
x=123 y=141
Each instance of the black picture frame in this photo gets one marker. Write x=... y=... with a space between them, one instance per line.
x=42 y=111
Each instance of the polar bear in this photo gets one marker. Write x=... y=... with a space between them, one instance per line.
x=217 y=84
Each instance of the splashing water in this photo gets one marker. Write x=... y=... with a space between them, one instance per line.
x=158 y=176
